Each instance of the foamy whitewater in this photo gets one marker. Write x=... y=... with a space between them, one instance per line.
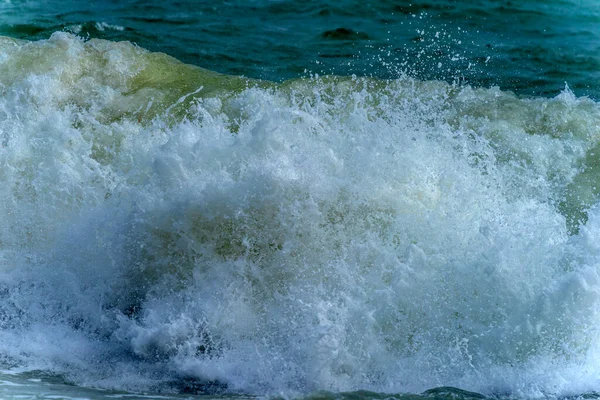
x=164 y=228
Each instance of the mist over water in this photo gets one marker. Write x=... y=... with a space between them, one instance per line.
x=169 y=229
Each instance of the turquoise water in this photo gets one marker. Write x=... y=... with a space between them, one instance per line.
x=361 y=200
x=533 y=48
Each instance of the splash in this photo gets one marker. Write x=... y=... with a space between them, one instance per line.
x=166 y=227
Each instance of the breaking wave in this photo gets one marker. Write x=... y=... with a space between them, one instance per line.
x=168 y=228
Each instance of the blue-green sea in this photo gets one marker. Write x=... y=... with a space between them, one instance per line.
x=300 y=200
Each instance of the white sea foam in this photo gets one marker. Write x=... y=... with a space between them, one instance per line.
x=102 y=26
x=335 y=234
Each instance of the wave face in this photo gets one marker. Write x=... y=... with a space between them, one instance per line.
x=168 y=228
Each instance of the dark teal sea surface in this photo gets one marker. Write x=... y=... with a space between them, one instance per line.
x=526 y=46
x=326 y=200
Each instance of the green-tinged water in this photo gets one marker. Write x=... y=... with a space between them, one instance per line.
x=318 y=200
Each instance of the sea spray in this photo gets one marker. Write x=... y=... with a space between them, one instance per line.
x=168 y=228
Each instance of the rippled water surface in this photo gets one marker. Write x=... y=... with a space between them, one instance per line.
x=526 y=46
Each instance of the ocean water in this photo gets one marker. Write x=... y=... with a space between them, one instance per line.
x=316 y=200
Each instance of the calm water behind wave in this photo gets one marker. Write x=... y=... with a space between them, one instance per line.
x=530 y=47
